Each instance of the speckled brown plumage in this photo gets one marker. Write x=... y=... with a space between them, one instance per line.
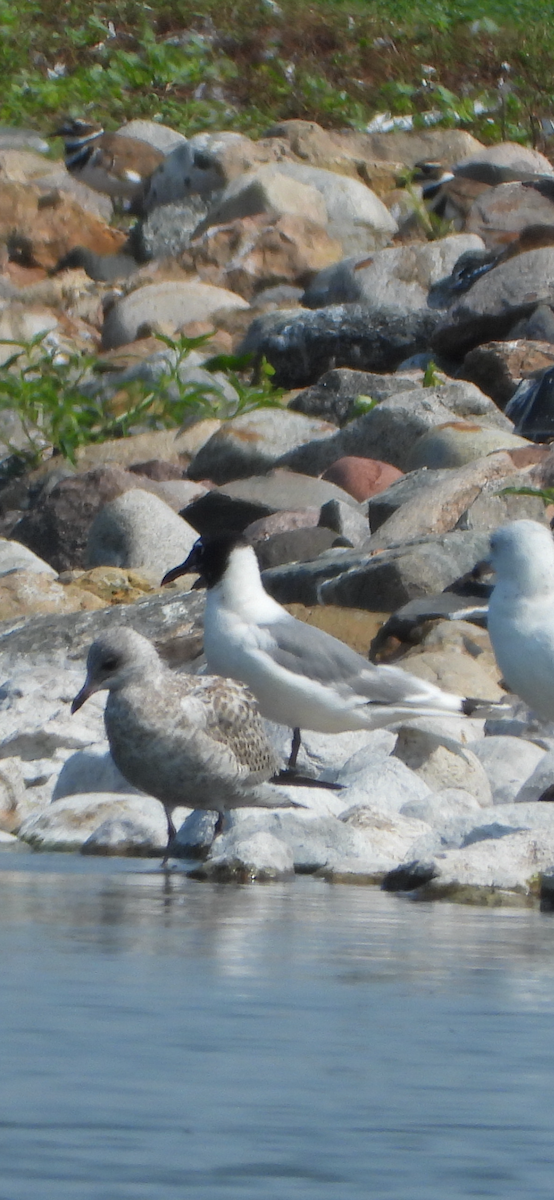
x=192 y=741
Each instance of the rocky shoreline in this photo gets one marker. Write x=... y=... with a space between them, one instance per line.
x=369 y=491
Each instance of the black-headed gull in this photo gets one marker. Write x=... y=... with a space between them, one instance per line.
x=301 y=676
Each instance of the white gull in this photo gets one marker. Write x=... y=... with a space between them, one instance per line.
x=301 y=676
x=521 y=611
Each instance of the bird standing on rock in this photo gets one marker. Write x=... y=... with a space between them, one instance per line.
x=191 y=741
x=521 y=611
x=108 y=162
x=301 y=676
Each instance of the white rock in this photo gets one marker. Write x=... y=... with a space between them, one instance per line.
x=67 y=824
x=510 y=863
x=140 y=531
x=15 y=557
x=387 y=785
x=442 y=762
x=135 y=835
x=260 y=856
x=509 y=763
x=450 y=813
x=91 y=770
x=396 y=275
x=539 y=782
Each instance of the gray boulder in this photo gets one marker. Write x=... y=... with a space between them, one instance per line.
x=399 y=275
x=390 y=579
x=303 y=345
x=167 y=231
x=496 y=301
x=509 y=763
x=335 y=396
x=162 y=137
x=139 y=530
x=391 y=429
x=237 y=504
x=253 y=443
x=170 y=302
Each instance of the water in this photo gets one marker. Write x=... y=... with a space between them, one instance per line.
x=166 y=1040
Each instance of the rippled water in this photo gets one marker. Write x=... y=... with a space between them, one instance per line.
x=169 y=1039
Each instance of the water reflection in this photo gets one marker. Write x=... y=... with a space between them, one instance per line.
x=165 y=1038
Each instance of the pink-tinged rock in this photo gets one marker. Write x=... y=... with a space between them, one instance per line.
x=362 y=477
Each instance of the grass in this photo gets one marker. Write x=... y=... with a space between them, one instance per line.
x=245 y=64
x=481 y=65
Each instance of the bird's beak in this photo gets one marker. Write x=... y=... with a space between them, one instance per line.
x=484 y=567
x=81 y=696
x=190 y=565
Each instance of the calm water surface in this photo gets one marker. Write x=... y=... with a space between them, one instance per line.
x=166 y=1040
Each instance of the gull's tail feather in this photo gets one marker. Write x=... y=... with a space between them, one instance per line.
x=484 y=708
x=290 y=778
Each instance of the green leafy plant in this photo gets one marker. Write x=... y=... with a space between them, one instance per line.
x=48 y=390
x=545 y=494
x=431 y=375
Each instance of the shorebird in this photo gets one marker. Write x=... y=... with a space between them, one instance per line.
x=107 y=162
x=191 y=741
x=521 y=611
x=301 y=676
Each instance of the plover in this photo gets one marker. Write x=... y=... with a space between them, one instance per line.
x=188 y=740
x=301 y=676
x=108 y=162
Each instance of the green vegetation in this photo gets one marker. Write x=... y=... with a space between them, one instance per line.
x=47 y=390
x=248 y=63
x=545 y=494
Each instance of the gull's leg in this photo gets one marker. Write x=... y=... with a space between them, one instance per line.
x=171 y=835
x=296 y=739
x=218 y=827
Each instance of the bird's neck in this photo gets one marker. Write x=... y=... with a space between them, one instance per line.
x=241 y=590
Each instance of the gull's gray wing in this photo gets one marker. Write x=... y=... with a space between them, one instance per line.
x=306 y=650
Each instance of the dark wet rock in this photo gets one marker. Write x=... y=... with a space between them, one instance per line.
x=295 y=545
x=335 y=396
x=379 y=583
x=302 y=345
x=104 y=268
x=235 y=505
x=531 y=407
x=538 y=327
x=497 y=368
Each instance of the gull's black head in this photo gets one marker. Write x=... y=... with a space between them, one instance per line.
x=209 y=558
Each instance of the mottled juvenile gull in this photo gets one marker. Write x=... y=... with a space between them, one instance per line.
x=185 y=739
x=300 y=675
x=521 y=611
